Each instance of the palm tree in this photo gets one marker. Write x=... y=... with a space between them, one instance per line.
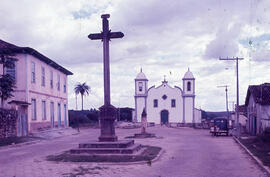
x=82 y=89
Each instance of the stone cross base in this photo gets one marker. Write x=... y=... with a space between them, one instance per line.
x=144 y=135
x=107 y=117
x=119 y=147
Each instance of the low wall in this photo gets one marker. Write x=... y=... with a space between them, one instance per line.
x=8 y=123
x=39 y=126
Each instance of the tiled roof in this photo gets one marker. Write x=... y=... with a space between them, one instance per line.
x=5 y=46
x=260 y=93
x=242 y=108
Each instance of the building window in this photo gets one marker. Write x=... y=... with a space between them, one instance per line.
x=34 y=109
x=44 y=110
x=173 y=103
x=33 y=73
x=65 y=86
x=188 y=86
x=155 y=103
x=11 y=71
x=51 y=79
x=58 y=82
x=140 y=84
x=42 y=76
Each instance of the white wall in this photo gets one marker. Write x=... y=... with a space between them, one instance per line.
x=198 y=115
x=140 y=106
x=175 y=113
x=265 y=116
x=189 y=109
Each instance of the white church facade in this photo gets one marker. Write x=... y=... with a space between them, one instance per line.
x=165 y=104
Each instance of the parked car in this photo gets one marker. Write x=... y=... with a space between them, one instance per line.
x=220 y=127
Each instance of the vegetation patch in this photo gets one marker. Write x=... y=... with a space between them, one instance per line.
x=149 y=154
x=259 y=146
x=80 y=171
x=16 y=140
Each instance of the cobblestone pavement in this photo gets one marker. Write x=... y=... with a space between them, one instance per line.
x=188 y=153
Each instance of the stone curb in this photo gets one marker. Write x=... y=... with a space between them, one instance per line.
x=34 y=141
x=135 y=163
x=20 y=144
x=258 y=161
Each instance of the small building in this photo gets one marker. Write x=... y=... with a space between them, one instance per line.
x=198 y=116
x=258 y=108
x=165 y=104
x=242 y=118
x=41 y=93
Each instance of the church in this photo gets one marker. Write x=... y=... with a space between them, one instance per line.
x=166 y=104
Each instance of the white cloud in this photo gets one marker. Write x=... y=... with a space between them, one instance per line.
x=160 y=36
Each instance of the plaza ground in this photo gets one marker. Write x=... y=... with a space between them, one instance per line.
x=187 y=153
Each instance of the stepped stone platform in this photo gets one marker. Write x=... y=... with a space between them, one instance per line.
x=117 y=147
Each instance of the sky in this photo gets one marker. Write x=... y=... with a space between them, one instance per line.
x=161 y=37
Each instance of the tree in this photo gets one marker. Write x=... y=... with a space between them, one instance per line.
x=7 y=82
x=82 y=89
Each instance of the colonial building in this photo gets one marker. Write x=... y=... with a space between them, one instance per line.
x=258 y=108
x=166 y=104
x=40 y=95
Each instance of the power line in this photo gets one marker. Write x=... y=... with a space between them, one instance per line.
x=237 y=92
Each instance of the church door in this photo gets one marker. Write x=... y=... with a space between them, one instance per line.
x=164 y=116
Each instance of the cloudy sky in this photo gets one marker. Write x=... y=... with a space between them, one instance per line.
x=162 y=37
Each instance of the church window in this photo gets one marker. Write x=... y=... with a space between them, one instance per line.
x=188 y=86
x=140 y=86
x=164 y=97
x=155 y=103
x=173 y=103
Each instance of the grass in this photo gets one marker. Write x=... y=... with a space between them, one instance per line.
x=16 y=140
x=149 y=154
x=80 y=171
x=260 y=147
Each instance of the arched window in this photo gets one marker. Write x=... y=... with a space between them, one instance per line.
x=188 y=86
x=140 y=86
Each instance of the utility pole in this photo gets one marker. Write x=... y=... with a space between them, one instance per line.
x=237 y=92
x=227 y=108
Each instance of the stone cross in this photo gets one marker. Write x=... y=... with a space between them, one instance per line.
x=105 y=36
x=107 y=111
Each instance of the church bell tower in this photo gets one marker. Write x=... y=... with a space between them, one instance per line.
x=188 y=98
x=141 y=88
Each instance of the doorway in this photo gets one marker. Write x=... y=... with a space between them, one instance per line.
x=52 y=114
x=164 y=117
x=59 y=115
x=22 y=124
